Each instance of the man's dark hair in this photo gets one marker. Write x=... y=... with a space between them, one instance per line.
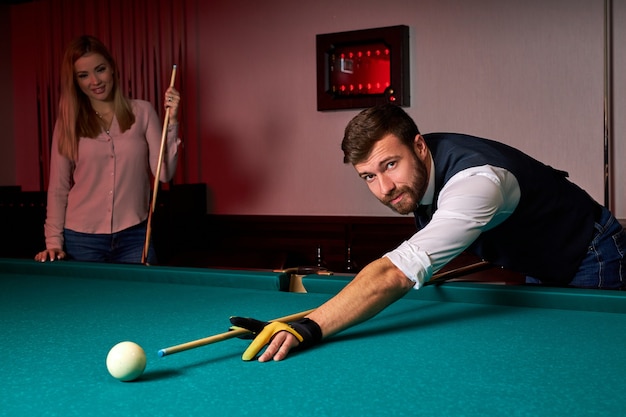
x=373 y=124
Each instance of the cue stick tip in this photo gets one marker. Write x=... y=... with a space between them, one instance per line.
x=161 y=353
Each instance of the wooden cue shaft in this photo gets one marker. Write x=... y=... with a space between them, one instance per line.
x=225 y=336
x=146 y=245
x=297 y=316
x=442 y=275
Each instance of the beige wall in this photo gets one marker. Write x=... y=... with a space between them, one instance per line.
x=525 y=73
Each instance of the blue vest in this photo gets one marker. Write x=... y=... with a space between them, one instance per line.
x=549 y=232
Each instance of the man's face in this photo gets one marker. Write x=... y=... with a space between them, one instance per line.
x=395 y=173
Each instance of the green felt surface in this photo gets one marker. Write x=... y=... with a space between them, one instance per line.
x=451 y=350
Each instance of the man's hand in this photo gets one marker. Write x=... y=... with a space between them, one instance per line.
x=279 y=347
x=280 y=337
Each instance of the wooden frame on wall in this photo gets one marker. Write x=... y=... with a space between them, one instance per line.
x=348 y=62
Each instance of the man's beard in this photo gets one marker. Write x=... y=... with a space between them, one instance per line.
x=411 y=193
x=404 y=206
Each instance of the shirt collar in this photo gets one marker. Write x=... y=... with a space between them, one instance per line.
x=429 y=195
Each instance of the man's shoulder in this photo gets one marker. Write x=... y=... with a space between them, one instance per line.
x=449 y=136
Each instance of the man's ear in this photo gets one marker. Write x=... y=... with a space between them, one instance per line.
x=420 y=147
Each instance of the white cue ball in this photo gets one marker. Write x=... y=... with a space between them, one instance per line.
x=126 y=361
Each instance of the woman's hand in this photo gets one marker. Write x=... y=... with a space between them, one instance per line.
x=172 y=100
x=50 y=255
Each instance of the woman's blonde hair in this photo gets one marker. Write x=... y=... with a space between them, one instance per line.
x=77 y=118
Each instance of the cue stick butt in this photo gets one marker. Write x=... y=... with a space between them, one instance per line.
x=224 y=336
x=442 y=276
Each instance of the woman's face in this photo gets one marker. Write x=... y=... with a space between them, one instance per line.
x=94 y=76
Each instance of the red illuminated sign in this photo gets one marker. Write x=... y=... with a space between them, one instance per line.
x=363 y=68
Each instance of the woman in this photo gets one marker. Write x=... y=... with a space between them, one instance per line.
x=104 y=147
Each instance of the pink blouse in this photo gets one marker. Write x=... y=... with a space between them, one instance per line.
x=109 y=188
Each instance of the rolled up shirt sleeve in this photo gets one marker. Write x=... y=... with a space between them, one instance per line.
x=473 y=201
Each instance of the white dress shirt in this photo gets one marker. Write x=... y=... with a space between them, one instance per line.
x=472 y=201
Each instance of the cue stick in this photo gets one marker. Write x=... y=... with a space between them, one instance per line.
x=225 y=336
x=146 y=246
x=441 y=276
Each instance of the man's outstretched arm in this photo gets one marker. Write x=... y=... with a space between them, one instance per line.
x=377 y=286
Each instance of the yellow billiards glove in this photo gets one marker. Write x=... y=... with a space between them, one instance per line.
x=305 y=330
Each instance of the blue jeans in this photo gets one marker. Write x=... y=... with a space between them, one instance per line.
x=125 y=246
x=604 y=265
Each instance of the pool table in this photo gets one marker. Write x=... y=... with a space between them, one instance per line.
x=450 y=349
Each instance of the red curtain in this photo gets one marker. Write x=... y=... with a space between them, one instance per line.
x=147 y=37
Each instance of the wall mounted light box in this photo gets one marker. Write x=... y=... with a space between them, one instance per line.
x=363 y=68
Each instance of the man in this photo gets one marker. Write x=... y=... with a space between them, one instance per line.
x=466 y=193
